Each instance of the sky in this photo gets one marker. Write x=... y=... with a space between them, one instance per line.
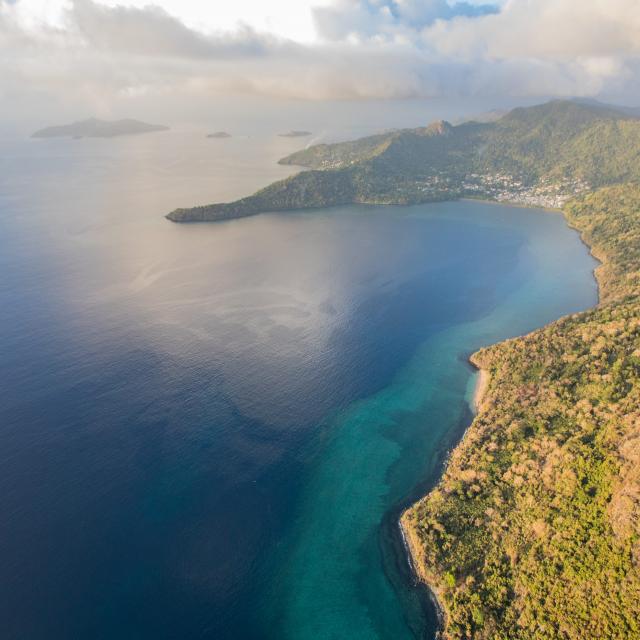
x=103 y=57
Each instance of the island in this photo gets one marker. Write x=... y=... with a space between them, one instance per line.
x=94 y=128
x=533 y=530
x=219 y=135
x=295 y=134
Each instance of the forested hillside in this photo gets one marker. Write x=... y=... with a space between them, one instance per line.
x=534 y=530
x=540 y=155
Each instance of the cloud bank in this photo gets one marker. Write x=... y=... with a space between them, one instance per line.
x=364 y=49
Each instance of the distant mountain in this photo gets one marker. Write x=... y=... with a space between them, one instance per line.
x=219 y=134
x=485 y=116
x=94 y=128
x=534 y=155
x=632 y=111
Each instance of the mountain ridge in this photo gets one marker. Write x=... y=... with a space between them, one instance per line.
x=560 y=147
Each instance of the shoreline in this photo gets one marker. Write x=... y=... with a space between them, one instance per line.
x=508 y=203
x=410 y=539
x=410 y=542
x=418 y=571
x=482 y=384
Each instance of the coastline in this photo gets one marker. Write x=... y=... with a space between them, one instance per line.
x=413 y=548
x=418 y=569
x=412 y=544
x=509 y=203
x=596 y=254
x=482 y=384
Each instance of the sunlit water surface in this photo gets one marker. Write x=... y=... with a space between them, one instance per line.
x=207 y=431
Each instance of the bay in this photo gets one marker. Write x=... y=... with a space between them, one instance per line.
x=208 y=430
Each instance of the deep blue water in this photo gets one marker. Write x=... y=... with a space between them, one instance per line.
x=206 y=429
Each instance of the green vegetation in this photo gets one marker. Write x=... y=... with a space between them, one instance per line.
x=533 y=532
x=538 y=155
x=311 y=187
x=534 y=529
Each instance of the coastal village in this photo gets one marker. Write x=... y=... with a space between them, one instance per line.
x=503 y=187
x=547 y=193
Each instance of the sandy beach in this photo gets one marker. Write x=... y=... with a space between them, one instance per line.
x=481 y=388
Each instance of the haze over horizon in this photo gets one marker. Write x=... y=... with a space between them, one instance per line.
x=171 y=61
x=321 y=319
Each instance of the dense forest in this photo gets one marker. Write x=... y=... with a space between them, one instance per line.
x=540 y=155
x=534 y=530
x=533 y=533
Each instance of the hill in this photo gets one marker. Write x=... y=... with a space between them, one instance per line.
x=534 y=531
x=540 y=155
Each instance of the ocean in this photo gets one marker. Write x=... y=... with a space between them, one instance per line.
x=208 y=431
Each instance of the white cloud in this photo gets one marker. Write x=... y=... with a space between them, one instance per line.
x=547 y=29
x=389 y=19
x=291 y=19
x=94 y=52
x=151 y=31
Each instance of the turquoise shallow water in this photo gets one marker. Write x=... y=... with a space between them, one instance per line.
x=208 y=431
x=341 y=574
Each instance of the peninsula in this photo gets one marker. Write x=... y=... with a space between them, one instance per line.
x=219 y=134
x=533 y=532
x=540 y=156
x=94 y=128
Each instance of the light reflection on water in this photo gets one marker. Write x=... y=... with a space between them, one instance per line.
x=173 y=393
